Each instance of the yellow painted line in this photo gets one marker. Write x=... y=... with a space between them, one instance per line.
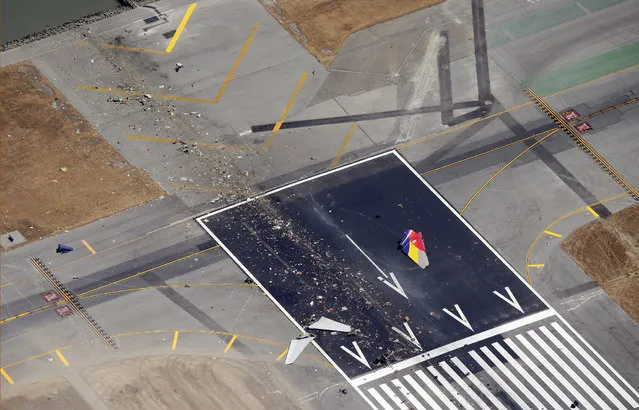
x=593 y=212
x=6 y=376
x=175 y=339
x=138 y=93
x=172 y=140
x=282 y=355
x=556 y=235
x=237 y=62
x=61 y=357
x=503 y=168
x=536 y=265
x=202 y=188
x=176 y=285
x=291 y=100
x=556 y=221
x=228 y=346
x=148 y=270
x=180 y=28
x=89 y=247
x=25 y=313
x=483 y=153
x=344 y=145
x=6 y=284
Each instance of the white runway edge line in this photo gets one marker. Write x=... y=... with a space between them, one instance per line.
x=487 y=334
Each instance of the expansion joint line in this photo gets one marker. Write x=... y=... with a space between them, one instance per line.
x=73 y=301
x=582 y=144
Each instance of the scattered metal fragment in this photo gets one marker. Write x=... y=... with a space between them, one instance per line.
x=331 y=325
x=296 y=347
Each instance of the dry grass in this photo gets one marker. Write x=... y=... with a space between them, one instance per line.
x=42 y=133
x=608 y=251
x=322 y=26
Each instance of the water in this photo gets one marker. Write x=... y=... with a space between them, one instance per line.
x=23 y=17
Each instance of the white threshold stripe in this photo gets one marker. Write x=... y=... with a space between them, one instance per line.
x=593 y=362
x=453 y=392
x=391 y=394
x=478 y=384
x=539 y=373
x=478 y=337
x=420 y=390
x=550 y=352
x=492 y=373
x=511 y=377
x=382 y=402
x=583 y=369
x=453 y=375
x=410 y=396
x=440 y=395
x=526 y=376
x=551 y=370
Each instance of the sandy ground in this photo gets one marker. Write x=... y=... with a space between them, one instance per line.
x=185 y=382
x=48 y=394
x=608 y=251
x=322 y=26
x=57 y=171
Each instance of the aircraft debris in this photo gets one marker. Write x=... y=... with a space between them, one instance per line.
x=296 y=347
x=325 y=323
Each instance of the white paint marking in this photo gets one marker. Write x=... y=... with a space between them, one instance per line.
x=478 y=337
x=410 y=336
x=589 y=359
x=453 y=392
x=540 y=373
x=366 y=256
x=359 y=356
x=583 y=369
x=580 y=382
x=513 y=380
x=582 y=299
x=478 y=384
x=551 y=370
x=453 y=375
x=396 y=286
x=281 y=308
x=526 y=376
x=492 y=373
x=380 y=399
x=511 y=300
x=410 y=396
x=391 y=394
x=420 y=390
x=460 y=317
x=431 y=385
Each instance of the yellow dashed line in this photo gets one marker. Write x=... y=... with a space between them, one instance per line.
x=175 y=339
x=89 y=247
x=291 y=100
x=228 y=346
x=6 y=376
x=61 y=357
x=282 y=355
x=593 y=212
x=557 y=235
x=180 y=28
x=344 y=145
x=6 y=284
x=536 y=265
x=237 y=62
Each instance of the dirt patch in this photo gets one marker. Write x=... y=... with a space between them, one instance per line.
x=49 y=394
x=608 y=251
x=322 y=26
x=57 y=172
x=185 y=382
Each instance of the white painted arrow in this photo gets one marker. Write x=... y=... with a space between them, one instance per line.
x=359 y=356
x=410 y=336
x=366 y=256
x=395 y=286
x=511 y=300
x=459 y=317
